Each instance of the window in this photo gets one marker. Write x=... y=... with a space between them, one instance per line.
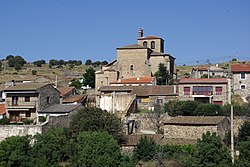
x=186 y=90
x=48 y=100
x=26 y=99
x=153 y=45
x=242 y=86
x=202 y=90
x=145 y=44
x=14 y=100
x=131 y=67
x=28 y=114
x=218 y=90
x=242 y=75
x=218 y=103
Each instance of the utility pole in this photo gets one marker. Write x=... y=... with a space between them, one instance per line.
x=232 y=135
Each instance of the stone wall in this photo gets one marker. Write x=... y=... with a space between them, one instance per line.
x=136 y=57
x=237 y=82
x=19 y=130
x=118 y=104
x=190 y=132
x=52 y=93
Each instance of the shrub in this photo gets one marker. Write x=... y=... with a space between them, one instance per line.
x=34 y=72
x=4 y=121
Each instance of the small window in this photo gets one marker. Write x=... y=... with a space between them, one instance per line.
x=242 y=75
x=48 y=100
x=186 y=90
x=145 y=44
x=218 y=90
x=242 y=86
x=153 y=45
x=131 y=67
x=26 y=99
x=28 y=114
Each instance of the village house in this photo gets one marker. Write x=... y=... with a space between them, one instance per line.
x=66 y=92
x=25 y=100
x=136 y=81
x=241 y=79
x=192 y=127
x=206 y=90
x=136 y=60
x=120 y=98
x=213 y=71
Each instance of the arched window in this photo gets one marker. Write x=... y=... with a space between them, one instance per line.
x=145 y=44
x=153 y=45
x=131 y=67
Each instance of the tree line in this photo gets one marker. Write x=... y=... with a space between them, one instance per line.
x=94 y=139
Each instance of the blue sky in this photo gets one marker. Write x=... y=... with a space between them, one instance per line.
x=194 y=31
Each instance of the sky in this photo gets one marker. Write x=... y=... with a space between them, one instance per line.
x=195 y=31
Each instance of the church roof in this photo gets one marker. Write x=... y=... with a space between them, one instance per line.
x=150 y=37
x=134 y=46
x=159 y=54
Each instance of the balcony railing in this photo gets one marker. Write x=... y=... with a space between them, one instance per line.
x=20 y=104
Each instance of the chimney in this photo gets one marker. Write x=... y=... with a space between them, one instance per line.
x=13 y=83
x=140 y=33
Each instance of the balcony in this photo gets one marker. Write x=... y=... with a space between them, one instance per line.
x=20 y=104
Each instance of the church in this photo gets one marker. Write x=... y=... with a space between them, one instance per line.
x=136 y=61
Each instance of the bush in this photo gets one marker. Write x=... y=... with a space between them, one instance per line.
x=34 y=72
x=42 y=119
x=145 y=150
x=28 y=121
x=4 y=121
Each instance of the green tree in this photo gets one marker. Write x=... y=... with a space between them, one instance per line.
x=9 y=57
x=89 y=77
x=39 y=63
x=88 y=62
x=244 y=131
x=53 y=147
x=244 y=157
x=34 y=72
x=16 y=60
x=17 y=66
x=162 y=75
x=210 y=152
x=104 y=63
x=76 y=83
x=145 y=150
x=208 y=109
x=14 y=151
x=95 y=119
x=53 y=62
x=96 y=63
x=97 y=149
x=61 y=62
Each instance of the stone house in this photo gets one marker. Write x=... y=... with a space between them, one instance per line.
x=136 y=60
x=25 y=100
x=241 y=79
x=66 y=92
x=207 y=90
x=192 y=127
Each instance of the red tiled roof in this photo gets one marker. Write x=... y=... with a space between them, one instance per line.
x=74 y=98
x=135 y=80
x=150 y=37
x=202 y=80
x=65 y=90
x=240 y=67
x=2 y=109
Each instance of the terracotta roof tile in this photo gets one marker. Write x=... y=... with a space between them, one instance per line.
x=2 y=109
x=74 y=98
x=150 y=37
x=135 y=80
x=64 y=90
x=162 y=90
x=240 y=67
x=202 y=80
x=195 y=120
